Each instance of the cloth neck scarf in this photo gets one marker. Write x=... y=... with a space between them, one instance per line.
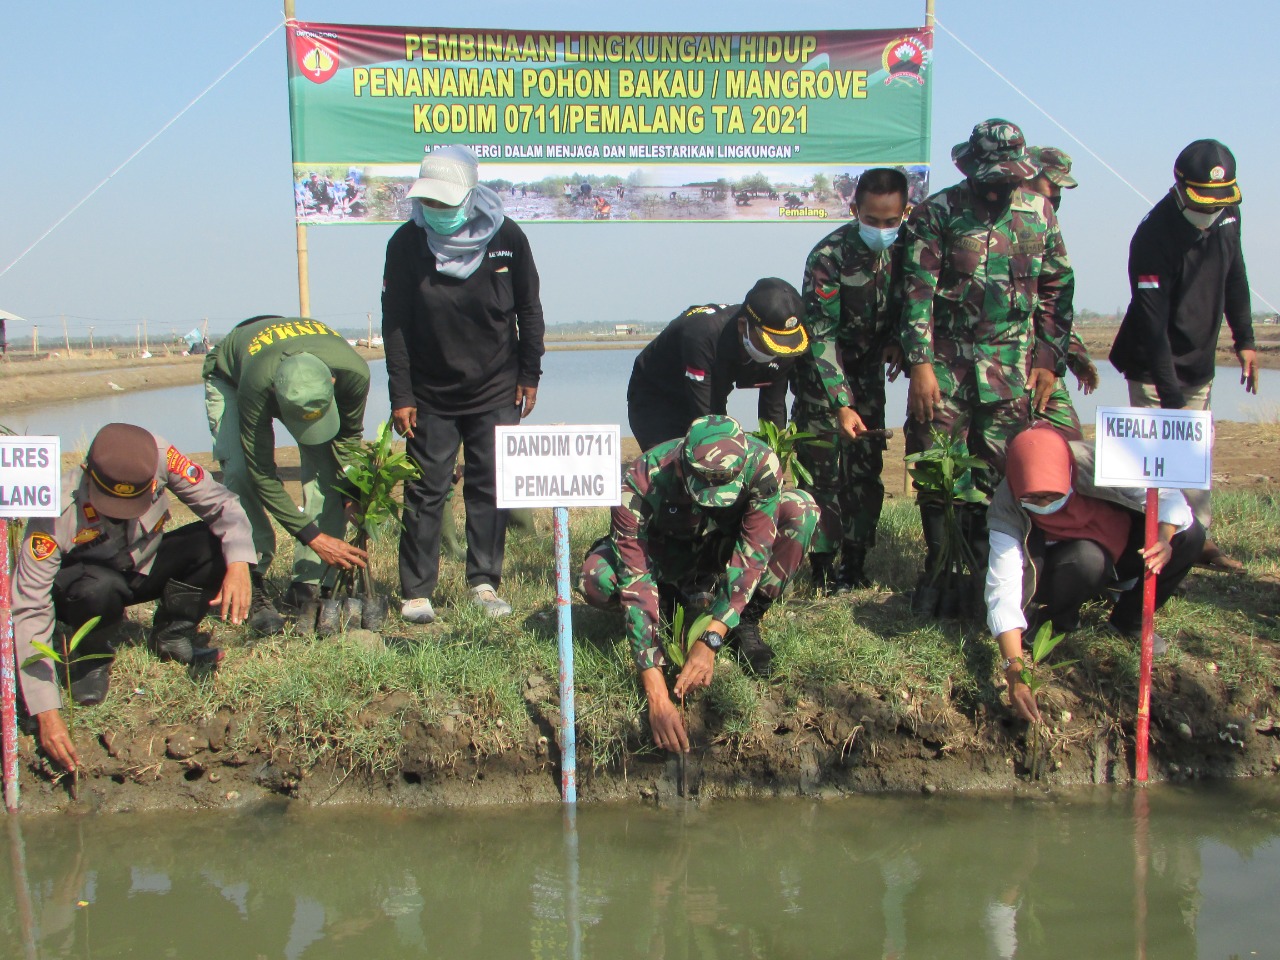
x=1040 y=461
x=459 y=254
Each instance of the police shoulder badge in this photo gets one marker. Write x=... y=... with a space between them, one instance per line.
x=42 y=546
x=179 y=463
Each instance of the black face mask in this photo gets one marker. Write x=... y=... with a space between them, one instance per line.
x=1003 y=193
x=1055 y=202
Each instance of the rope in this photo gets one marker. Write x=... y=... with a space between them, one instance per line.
x=150 y=140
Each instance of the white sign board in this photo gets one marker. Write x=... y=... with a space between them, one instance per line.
x=561 y=466
x=1146 y=447
x=30 y=476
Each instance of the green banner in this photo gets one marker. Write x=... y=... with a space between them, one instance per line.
x=607 y=126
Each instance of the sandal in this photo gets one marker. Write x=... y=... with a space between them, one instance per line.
x=1212 y=558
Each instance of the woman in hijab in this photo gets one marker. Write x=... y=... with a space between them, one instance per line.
x=462 y=325
x=1057 y=541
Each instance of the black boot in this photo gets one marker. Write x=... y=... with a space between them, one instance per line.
x=932 y=581
x=174 y=629
x=91 y=678
x=822 y=570
x=851 y=574
x=298 y=595
x=973 y=603
x=757 y=653
x=264 y=618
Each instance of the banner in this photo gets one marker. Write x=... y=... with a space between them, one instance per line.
x=607 y=126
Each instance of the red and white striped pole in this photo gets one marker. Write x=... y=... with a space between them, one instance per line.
x=8 y=678
x=1148 y=641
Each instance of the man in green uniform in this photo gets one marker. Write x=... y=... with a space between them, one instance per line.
x=711 y=501
x=306 y=375
x=1054 y=177
x=988 y=289
x=853 y=299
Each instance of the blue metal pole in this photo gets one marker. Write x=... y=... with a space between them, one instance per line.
x=564 y=624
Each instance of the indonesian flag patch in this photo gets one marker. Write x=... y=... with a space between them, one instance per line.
x=693 y=373
x=1148 y=282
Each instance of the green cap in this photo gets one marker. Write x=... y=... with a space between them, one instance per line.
x=714 y=451
x=1054 y=164
x=996 y=152
x=304 y=394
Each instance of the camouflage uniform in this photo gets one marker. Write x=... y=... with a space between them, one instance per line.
x=1059 y=410
x=748 y=532
x=853 y=298
x=984 y=303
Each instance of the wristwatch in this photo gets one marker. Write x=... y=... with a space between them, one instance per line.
x=1010 y=661
x=713 y=640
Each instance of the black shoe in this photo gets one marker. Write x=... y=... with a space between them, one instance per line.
x=757 y=653
x=850 y=575
x=264 y=619
x=90 y=687
x=822 y=571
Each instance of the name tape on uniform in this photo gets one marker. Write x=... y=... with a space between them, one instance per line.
x=561 y=466
x=30 y=476
x=1143 y=447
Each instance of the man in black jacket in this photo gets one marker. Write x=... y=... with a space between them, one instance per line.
x=1186 y=270
x=689 y=370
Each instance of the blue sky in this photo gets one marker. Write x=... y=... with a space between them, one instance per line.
x=201 y=223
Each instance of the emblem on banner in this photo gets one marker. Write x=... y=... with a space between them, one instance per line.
x=317 y=55
x=903 y=59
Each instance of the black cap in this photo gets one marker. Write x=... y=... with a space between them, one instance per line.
x=121 y=466
x=774 y=308
x=1206 y=171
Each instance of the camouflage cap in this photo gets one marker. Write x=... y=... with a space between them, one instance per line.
x=1054 y=164
x=995 y=152
x=714 y=451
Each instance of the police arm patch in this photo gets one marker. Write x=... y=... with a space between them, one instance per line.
x=178 y=463
x=42 y=546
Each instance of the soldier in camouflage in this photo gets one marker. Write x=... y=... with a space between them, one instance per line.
x=1054 y=177
x=711 y=501
x=853 y=298
x=987 y=315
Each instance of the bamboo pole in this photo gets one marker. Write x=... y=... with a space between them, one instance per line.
x=928 y=14
x=146 y=341
x=66 y=340
x=369 y=316
x=91 y=341
x=35 y=339
x=304 y=279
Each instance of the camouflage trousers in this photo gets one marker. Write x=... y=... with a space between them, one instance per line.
x=846 y=476
x=1061 y=412
x=682 y=564
x=986 y=428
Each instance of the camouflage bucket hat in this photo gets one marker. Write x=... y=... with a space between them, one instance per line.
x=714 y=452
x=1055 y=165
x=995 y=152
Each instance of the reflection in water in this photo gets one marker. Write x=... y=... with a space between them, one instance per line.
x=1089 y=876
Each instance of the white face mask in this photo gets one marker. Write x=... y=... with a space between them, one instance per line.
x=1048 y=508
x=876 y=238
x=1201 y=221
x=756 y=354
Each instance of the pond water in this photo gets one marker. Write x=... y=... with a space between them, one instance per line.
x=578 y=386
x=1164 y=873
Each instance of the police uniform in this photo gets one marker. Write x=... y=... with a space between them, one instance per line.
x=82 y=564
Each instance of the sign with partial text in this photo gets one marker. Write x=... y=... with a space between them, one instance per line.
x=1148 y=447
x=30 y=476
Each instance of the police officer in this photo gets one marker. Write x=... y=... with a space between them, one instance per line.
x=709 y=501
x=107 y=550
x=1054 y=177
x=853 y=300
x=690 y=368
x=308 y=376
x=988 y=290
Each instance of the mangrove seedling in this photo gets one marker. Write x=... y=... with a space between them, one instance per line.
x=676 y=644
x=1035 y=674
x=67 y=659
x=785 y=445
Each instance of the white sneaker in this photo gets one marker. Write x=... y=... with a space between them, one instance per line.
x=418 y=610
x=484 y=596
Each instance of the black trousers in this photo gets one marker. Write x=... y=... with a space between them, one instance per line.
x=84 y=590
x=434 y=446
x=1072 y=572
x=653 y=422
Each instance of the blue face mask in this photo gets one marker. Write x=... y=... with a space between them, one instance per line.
x=446 y=222
x=1048 y=508
x=875 y=238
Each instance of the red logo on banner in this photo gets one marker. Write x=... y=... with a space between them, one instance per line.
x=317 y=56
x=903 y=59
